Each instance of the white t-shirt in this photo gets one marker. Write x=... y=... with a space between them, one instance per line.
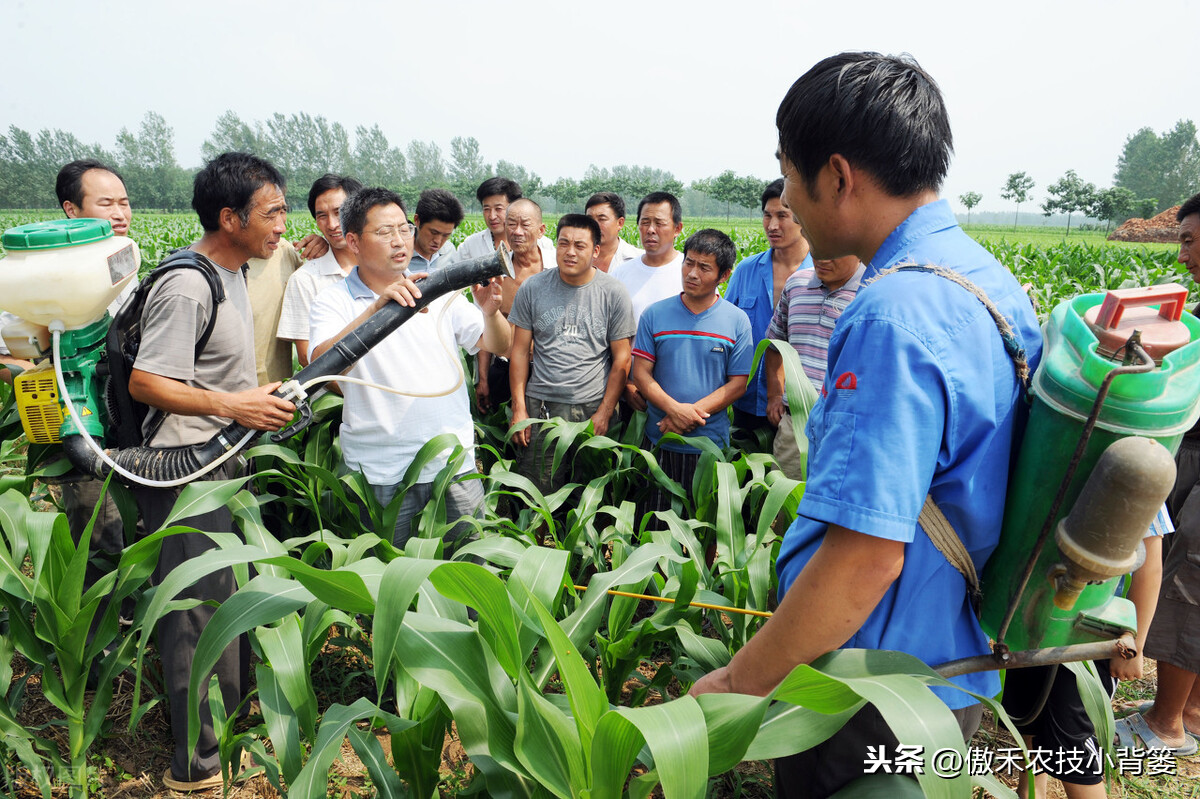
x=382 y=432
x=649 y=284
x=303 y=287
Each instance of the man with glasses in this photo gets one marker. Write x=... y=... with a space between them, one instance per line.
x=657 y=274
x=381 y=431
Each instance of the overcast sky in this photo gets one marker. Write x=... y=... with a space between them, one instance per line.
x=691 y=87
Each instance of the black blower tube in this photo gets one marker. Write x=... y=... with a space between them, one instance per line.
x=173 y=463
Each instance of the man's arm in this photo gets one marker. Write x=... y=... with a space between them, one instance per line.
x=518 y=378
x=497 y=332
x=5 y=373
x=403 y=291
x=301 y=351
x=255 y=408
x=621 y=351
x=1143 y=593
x=684 y=416
x=828 y=603
x=773 y=364
x=483 y=362
x=311 y=246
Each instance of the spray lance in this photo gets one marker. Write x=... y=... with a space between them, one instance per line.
x=77 y=331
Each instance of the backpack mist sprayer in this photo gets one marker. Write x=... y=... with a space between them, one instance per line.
x=59 y=277
x=1118 y=386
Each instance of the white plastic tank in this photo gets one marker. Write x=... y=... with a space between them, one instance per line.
x=66 y=270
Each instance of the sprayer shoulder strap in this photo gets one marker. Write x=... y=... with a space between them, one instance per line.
x=932 y=520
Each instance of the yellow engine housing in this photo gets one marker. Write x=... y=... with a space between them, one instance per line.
x=36 y=392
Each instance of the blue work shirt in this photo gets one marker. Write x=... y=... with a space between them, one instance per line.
x=752 y=288
x=920 y=398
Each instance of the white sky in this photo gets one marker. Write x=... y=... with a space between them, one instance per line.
x=690 y=87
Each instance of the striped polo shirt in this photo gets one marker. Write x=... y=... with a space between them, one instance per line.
x=805 y=317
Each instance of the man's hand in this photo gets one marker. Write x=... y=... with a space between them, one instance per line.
x=682 y=418
x=775 y=410
x=257 y=409
x=488 y=296
x=521 y=437
x=482 y=392
x=634 y=397
x=1122 y=669
x=311 y=246
x=600 y=421
x=404 y=291
x=715 y=682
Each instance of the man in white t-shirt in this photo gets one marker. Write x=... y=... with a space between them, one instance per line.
x=325 y=200
x=382 y=432
x=608 y=209
x=658 y=273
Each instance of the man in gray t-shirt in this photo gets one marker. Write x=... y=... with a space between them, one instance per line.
x=240 y=201
x=571 y=344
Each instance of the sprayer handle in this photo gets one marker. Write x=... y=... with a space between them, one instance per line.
x=1170 y=299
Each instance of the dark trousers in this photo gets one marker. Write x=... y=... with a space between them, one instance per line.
x=499 y=391
x=178 y=632
x=836 y=762
x=107 y=539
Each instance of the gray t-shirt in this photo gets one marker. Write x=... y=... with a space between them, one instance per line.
x=173 y=320
x=572 y=329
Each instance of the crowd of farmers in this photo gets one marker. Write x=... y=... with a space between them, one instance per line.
x=918 y=398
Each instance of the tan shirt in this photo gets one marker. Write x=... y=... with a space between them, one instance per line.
x=266 y=281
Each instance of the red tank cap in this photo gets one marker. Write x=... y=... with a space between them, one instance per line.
x=1126 y=310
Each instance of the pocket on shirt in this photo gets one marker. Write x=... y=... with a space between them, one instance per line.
x=830 y=439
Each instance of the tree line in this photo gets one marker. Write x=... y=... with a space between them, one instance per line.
x=304 y=147
x=1154 y=172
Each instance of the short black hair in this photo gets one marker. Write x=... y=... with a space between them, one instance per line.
x=656 y=197
x=493 y=186
x=711 y=241
x=1189 y=207
x=581 y=221
x=883 y=114
x=230 y=181
x=330 y=182
x=69 y=183
x=353 y=214
x=607 y=198
x=773 y=191
x=439 y=205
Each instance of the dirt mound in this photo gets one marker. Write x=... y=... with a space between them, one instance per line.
x=1162 y=228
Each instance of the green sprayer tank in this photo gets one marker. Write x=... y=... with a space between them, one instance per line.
x=1084 y=341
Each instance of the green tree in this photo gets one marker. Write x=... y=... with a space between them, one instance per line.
x=970 y=200
x=1146 y=207
x=1166 y=167
x=566 y=193
x=467 y=168
x=29 y=163
x=1069 y=194
x=1113 y=205
x=230 y=134
x=426 y=168
x=375 y=162
x=304 y=147
x=531 y=182
x=1018 y=189
x=153 y=175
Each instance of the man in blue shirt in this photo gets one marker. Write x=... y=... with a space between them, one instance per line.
x=920 y=398
x=691 y=356
x=756 y=286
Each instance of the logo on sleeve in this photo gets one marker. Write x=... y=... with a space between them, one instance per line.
x=847 y=381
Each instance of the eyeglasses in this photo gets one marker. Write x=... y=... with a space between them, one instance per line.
x=388 y=232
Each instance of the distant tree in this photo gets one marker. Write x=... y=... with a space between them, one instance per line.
x=531 y=182
x=304 y=147
x=467 y=168
x=970 y=200
x=1166 y=167
x=29 y=163
x=1069 y=194
x=426 y=169
x=1147 y=207
x=153 y=175
x=1018 y=189
x=732 y=190
x=376 y=162
x=1114 y=204
x=566 y=193
x=230 y=134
